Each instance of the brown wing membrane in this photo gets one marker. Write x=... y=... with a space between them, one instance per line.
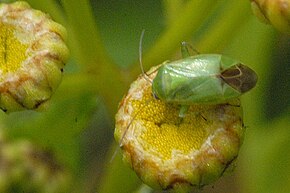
x=240 y=77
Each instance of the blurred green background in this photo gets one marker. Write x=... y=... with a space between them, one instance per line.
x=103 y=37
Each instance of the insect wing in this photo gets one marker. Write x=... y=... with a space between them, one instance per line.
x=240 y=77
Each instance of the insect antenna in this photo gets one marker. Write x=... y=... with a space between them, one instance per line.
x=140 y=57
x=126 y=130
x=146 y=77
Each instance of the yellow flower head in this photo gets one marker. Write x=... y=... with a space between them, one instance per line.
x=32 y=56
x=168 y=152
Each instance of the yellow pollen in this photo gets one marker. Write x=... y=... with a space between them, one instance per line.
x=165 y=131
x=12 y=51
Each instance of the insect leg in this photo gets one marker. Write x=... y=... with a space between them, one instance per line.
x=203 y=117
x=184 y=50
x=233 y=105
x=122 y=138
x=125 y=132
x=183 y=110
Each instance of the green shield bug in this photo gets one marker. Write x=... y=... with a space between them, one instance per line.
x=202 y=79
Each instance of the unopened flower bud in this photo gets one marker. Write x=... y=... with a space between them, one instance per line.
x=173 y=153
x=25 y=168
x=32 y=56
x=275 y=12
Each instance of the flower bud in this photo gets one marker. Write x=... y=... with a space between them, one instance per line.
x=172 y=153
x=275 y=12
x=25 y=168
x=32 y=56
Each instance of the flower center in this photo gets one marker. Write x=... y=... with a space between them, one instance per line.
x=164 y=131
x=12 y=51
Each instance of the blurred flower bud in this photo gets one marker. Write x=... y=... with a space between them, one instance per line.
x=172 y=153
x=275 y=12
x=32 y=56
x=24 y=168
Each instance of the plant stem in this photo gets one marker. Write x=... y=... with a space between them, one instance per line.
x=172 y=9
x=191 y=17
x=87 y=42
x=217 y=36
x=91 y=54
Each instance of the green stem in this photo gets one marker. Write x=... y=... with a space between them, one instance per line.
x=219 y=34
x=118 y=177
x=108 y=84
x=172 y=9
x=182 y=27
x=111 y=86
x=87 y=42
x=90 y=53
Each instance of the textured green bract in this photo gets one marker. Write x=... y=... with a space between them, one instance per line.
x=203 y=78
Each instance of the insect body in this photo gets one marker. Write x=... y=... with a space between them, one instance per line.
x=203 y=79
